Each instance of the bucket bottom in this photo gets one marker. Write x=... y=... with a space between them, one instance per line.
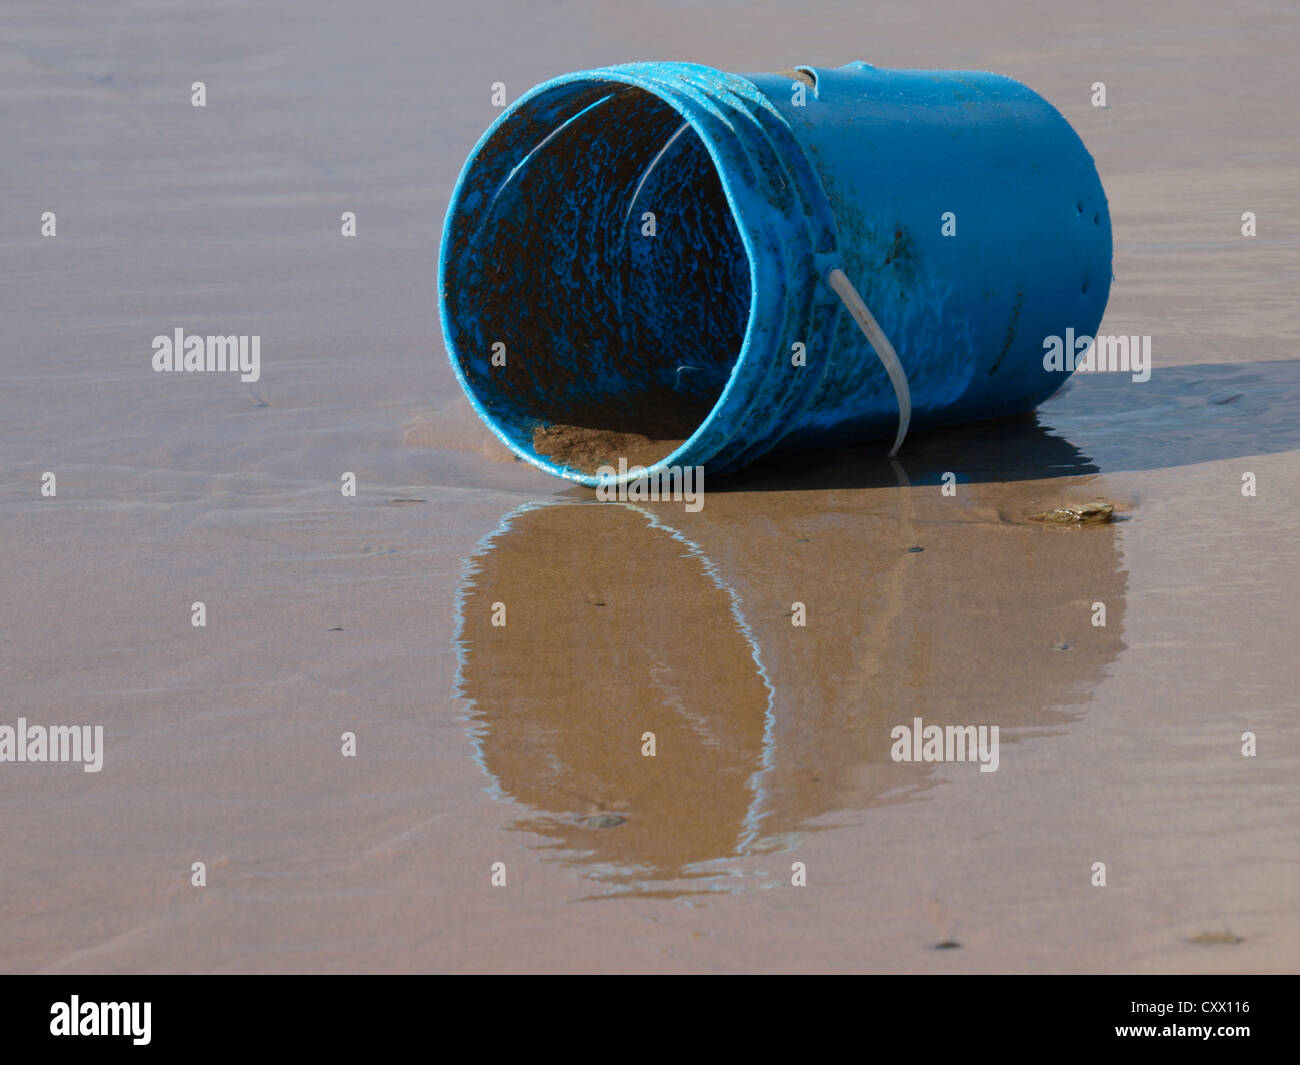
x=597 y=287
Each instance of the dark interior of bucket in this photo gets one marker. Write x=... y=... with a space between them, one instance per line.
x=595 y=254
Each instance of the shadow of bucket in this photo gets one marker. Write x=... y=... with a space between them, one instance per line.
x=638 y=261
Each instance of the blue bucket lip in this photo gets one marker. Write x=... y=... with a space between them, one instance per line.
x=675 y=83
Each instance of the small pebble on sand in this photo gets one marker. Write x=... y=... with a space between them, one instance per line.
x=1214 y=939
x=1077 y=514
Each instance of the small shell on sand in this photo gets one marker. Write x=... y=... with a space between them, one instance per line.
x=1077 y=514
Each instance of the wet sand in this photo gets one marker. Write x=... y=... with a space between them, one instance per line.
x=479 y=744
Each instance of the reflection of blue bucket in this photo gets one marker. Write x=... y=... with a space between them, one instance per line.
x=761 y=187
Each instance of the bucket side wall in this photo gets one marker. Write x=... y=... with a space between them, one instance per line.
x=1030 y=255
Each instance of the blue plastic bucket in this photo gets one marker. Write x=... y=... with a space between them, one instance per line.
x=672 y=264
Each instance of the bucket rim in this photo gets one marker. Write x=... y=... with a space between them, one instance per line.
x=694 y=91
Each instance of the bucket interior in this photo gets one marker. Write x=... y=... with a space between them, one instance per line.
x=618 y=337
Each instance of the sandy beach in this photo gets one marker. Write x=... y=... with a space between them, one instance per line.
x=328 y=614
